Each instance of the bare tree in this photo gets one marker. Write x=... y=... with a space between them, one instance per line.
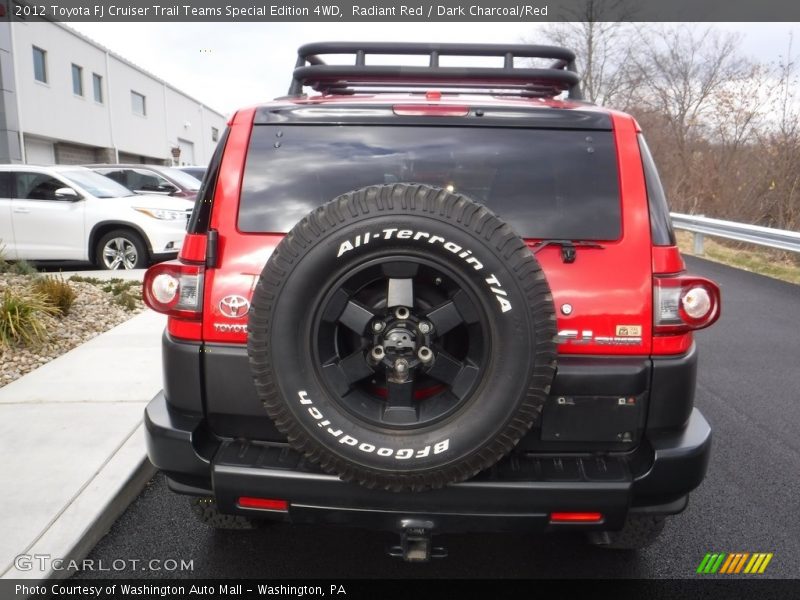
x=681 y=73
x=779 y=149
x=724 y=130
x=601 y=42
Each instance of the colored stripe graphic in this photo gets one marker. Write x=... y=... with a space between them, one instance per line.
x=764 y=564
x=714 y=567
x=703 y=563
x=757 y=558
x=733 y=563
x=732 y=558
x=741 y=562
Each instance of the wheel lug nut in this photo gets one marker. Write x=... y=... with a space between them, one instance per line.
x=425 y=328
x=402 y=313
x=378 y=326
x=401 y=366
x=377 y=353
x=425 y=354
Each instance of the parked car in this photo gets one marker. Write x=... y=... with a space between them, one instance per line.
x=196 y=172
x=454 y=309
x=67 y=213
x=152 y=179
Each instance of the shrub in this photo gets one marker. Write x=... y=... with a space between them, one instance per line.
x=126 y=300
x=22 y=267
x=21 y=318
x=119 y=286
x=58 y=293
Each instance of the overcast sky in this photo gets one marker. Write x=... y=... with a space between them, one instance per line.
x=230 y=65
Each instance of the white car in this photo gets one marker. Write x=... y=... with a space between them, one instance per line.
x=72 y=213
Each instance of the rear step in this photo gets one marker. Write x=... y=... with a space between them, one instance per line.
x=520 y=492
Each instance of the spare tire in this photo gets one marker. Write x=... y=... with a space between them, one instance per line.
x=401 y=336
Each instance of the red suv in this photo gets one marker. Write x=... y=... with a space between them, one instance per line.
x=431 y=299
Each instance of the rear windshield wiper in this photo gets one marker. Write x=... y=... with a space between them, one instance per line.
x=567 y=247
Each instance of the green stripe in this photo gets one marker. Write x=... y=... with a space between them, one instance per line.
x=703 y=563
x=711 y=562
x=718 y=563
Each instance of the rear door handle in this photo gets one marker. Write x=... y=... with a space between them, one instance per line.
x=22 y=211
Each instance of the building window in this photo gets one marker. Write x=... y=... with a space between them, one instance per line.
x=138 y=103
x=40 y=64
x=214 y=134
x=77 y=80
x=97 y=84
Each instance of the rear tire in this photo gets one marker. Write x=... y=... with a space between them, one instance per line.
x=121 y=249
x=639 y=532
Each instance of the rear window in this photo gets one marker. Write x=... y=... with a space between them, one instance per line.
x=559 y=184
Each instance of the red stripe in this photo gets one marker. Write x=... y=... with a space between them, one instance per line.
x=576 y=517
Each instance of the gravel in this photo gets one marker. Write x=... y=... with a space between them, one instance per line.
x=93 y=312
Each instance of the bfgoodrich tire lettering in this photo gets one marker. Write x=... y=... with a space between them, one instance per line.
x=401 y=336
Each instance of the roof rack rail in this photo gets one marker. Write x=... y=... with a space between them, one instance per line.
x=557 y=77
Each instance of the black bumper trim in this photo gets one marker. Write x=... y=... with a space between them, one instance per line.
x=680 y=459
x=176 y=442
x=517 y=493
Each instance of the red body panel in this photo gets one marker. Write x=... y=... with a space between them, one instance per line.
x=610 y=290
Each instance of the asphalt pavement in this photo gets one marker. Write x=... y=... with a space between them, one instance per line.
x=748 y=389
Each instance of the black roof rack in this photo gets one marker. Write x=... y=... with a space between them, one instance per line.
x=557 y=77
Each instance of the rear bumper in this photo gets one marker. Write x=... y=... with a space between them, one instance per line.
x=519 y=493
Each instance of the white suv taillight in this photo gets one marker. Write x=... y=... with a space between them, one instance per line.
x=174 y=289
x=681 y=304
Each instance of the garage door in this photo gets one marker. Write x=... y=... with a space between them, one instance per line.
x=187 y=152
x=39 y=152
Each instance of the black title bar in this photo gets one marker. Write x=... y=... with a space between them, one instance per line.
x=405 y=10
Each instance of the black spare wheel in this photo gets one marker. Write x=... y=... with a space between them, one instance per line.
x=401 y=336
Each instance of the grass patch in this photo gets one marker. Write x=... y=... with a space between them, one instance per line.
x=58 y=292
x=82 y=279
x=126 y=300
x=21 y=318
x=118 y=287
x=126 y=292
x=748 y=257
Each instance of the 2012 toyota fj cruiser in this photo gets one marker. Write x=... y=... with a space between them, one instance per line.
x=455 y=291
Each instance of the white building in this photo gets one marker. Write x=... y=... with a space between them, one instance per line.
x=65 y=99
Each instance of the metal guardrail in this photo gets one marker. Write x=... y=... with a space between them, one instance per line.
x=741 y=232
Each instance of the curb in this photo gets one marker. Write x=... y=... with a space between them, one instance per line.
x=90 y=514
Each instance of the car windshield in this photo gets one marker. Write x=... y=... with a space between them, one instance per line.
x=185 y=180
x=97 y=185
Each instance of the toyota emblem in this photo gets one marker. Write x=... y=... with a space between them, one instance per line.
x=234 y=306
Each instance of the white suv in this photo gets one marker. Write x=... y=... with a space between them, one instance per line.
x=73 y=213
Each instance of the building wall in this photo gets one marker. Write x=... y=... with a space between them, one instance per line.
x=79 y=125
x=10 y=149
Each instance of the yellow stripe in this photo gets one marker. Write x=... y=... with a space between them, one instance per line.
x=751 y=563
x=765 y=563
x=741 y=563
x=729 y=560
x=757 y=563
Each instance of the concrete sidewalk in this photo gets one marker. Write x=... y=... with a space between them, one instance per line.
x=72 y=447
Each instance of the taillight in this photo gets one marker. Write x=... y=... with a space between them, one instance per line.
x=175 y=289
x=681 y=304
